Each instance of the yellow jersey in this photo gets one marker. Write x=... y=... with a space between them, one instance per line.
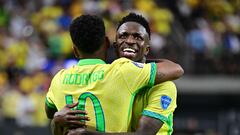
x=106 y=91
x=159 y=102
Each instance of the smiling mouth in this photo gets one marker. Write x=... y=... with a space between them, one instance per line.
x=129 y=53
x=129 y=50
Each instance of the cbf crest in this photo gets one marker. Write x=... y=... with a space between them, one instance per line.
x=165 y=101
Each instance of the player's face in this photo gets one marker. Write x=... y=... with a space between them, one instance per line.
x=132 y=41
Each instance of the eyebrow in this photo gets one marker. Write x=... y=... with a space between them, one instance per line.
x=138 y=34
x=134 y=34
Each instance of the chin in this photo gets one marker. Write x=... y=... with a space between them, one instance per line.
x=129 y=57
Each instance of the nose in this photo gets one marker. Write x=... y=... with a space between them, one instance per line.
x=130 y=40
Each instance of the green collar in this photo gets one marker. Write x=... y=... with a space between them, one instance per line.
x=83 y=62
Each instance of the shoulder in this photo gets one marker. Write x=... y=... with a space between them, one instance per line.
x=129 y=63
x=121 y=60
x=121 y=64
x=60 y=73
x=167 y=84
x=165 y=87
x=56 y=78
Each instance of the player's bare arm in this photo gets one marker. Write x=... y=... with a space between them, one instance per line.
x=148 y=126
x=167 y=70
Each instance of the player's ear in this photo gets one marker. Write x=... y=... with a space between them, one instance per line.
x=75 y=51
x=147 y=50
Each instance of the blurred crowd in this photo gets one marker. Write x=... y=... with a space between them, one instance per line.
x=202 y=35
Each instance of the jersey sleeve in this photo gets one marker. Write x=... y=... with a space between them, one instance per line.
x=161 y=102
x=50 y=97
x=138 y=75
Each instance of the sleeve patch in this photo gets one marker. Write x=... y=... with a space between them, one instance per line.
x=165 y=101
x=140 y=65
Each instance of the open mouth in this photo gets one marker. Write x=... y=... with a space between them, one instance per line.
x=128 y=53
x=129 y=50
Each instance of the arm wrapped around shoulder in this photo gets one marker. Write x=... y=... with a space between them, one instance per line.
x=167 y=71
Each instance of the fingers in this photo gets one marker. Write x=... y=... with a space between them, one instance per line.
x=72 y=105
x=76 y=124
x=74 y=112
x=83 y=118
x=75 y=121
x=77 y=117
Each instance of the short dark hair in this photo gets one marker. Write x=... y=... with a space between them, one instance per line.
x=133 y=17
x=87 y=33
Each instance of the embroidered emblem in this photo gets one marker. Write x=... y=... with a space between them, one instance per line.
x=165 y=101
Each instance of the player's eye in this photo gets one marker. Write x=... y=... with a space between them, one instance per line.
x=138 y=38
x=123 y=36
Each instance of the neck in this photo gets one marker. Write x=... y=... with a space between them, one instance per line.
x=101 y=53
x=143 y=60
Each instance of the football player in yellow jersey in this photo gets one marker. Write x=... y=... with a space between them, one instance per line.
x=152 y=109
x=88 y=79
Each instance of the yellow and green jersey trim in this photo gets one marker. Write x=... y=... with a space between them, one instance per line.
x=153 y=74
x=84 y=62
x=168 y=121
x=50 y=105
